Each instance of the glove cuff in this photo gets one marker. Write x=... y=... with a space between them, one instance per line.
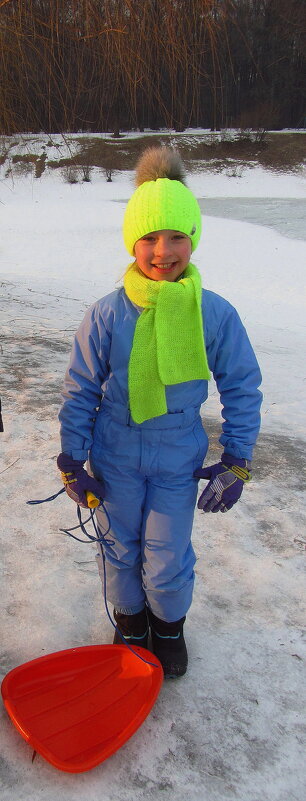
x=240 y=467
x=66 y=463
x=229 y=459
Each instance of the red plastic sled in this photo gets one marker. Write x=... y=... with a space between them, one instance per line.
x=77 y=707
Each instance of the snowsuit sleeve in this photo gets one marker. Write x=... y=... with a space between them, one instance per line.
x=236 y=372
x=87 y=370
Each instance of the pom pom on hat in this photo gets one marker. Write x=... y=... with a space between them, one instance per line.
x=159 y=162
x=161 y=200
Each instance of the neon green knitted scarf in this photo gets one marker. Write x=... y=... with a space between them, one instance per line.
x=168 y=345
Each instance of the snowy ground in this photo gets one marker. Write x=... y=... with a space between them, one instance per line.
x=234 y=727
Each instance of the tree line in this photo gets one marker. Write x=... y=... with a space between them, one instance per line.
x=106 y=65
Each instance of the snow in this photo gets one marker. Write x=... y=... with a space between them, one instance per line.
x=248 y=181
x=232 y=729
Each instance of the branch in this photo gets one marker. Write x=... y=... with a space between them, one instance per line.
x=16 y=460
x=98 y=33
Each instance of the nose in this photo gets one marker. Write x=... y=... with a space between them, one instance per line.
x=162 y=246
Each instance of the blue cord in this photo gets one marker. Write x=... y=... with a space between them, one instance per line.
x=101 y=539
x=44 y=500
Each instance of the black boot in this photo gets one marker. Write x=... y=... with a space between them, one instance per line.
x=169 y=646
x=134 y=628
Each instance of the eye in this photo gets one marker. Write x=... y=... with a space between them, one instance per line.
x=179 y=236
x=148 y=238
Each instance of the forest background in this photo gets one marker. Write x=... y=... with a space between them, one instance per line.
x=111 y=65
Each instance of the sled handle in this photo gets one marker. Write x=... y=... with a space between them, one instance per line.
x=92 y=501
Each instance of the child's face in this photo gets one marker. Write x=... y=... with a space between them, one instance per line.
x=163 y=255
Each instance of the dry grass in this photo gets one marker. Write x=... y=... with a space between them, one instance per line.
x=277 y=151
x=280 y=151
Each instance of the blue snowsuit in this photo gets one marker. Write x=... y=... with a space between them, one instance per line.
x=147 y=469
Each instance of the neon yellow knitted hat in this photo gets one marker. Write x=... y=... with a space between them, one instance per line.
x=161 y=200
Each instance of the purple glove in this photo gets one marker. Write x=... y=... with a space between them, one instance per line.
x=77 y=481
x=226 y=480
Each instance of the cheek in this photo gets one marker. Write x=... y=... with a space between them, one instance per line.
x=141 y=253
x=187 y=251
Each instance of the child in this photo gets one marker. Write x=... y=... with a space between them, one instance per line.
x=137 y=377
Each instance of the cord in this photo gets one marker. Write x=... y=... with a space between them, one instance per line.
x=101 y=539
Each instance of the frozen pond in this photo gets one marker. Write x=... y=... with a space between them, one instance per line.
x=285 y=215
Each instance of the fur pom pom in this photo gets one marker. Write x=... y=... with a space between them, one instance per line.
x=159 y=162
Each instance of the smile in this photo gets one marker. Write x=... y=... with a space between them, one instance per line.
x=165 y=267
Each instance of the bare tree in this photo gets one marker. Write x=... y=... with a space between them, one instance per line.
x=113 y=64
